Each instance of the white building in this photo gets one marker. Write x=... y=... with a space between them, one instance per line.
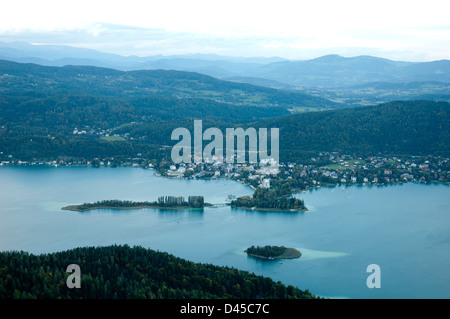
x=265 y=183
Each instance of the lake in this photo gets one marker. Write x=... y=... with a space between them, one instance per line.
x=405 y=229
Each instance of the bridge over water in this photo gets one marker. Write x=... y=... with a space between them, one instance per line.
x=220 y=204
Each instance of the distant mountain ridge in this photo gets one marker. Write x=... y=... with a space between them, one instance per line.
x=59 y=55
x=330 y=71
x=336 y=71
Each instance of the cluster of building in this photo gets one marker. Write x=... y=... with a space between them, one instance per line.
x=324 y=170
x=69 y=161
x=260 y=173
x=347 y=169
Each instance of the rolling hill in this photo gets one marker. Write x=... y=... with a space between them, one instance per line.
x=402 y=127
x=43 y=111
x=32 y=79
x=333 y=71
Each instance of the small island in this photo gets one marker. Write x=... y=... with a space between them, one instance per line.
x=273 y=252
x=164 y=202
x=270 y=200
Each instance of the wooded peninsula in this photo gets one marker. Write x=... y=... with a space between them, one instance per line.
x=270 y=199
x=262 y=199
x=164 y=202
x=124 y=272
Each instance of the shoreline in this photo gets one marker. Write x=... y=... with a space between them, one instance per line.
x=156 y=173
x=289 y=253
x=76 y=209
x=290 y=210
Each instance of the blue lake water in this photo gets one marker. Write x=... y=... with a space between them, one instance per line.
x=405 y=229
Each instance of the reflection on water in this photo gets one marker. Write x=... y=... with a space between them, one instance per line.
x=309 y=254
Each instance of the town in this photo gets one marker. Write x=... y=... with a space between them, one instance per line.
x=325 y=169
x=328 y=169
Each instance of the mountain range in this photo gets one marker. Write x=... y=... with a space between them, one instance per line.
x=329 y=71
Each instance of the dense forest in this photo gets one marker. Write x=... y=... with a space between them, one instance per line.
x=163 y=201
x=266 y=251
x=273 y=252
x=423 y=129
x=130 y=272
x=408 y=128
x=264 y=198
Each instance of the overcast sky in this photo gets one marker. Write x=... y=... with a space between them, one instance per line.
x=400 y=30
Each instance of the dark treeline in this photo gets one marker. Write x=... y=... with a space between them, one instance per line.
x=269 y=198
x=125 y=272
x=266 y=251
x=196 y=201
x=163 y=201
x=114 y=203
x=170 y=201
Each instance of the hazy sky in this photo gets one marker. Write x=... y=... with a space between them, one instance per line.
x=401 y=30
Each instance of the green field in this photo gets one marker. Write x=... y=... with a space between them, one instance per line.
x=112 y=138
x=302 y=109
x=350 y=164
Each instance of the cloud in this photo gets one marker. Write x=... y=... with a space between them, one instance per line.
x=409 y=44
x=288 y=28
x=128 y=40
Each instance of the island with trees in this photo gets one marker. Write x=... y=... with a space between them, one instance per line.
x=163 y=202
x=265 y=199
x=273 y=252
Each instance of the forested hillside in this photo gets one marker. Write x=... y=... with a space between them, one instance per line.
x=39 y=81
x=111 y=130
x=413 y=128
x=88 y=113
x=125 y=272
